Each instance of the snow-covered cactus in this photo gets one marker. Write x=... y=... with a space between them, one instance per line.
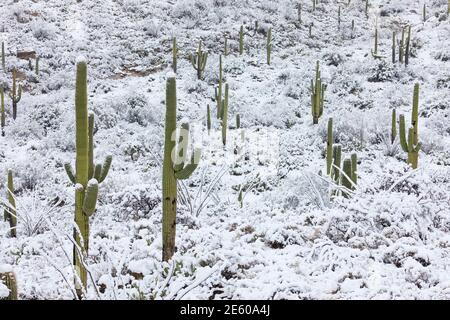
x=208 y=118
x=3 y=57
x=269 y=45
x=410 y=140
x=218 y=89
x=238 y=121
x=174 y=54
x=2 y=110
x=175 y=167
x=393 y=47
x=86 y=176
x=330 y=141
x=198 y=60
x=317 y=95
x=224 y=116
x=346 y=180
x=337 y=152
x=10 y=212
x=393 y=126
x=241 y=40
x=8 y=279
x=408 y=46
x=15 y=94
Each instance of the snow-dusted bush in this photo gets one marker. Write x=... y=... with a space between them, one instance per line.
x=42 y=30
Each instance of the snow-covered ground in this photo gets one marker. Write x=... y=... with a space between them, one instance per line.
x=391 y=240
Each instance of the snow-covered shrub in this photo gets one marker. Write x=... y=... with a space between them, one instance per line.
x=135 y=202
x=381 y=71
x=42 y=30
x=153 y=28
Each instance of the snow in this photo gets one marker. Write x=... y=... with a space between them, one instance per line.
x=390 y=240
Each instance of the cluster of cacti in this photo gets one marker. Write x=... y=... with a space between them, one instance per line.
x=345 y=176
x=175 y=166
x=317 y=95
x=9 y=280
x=403 y=46
x=174 y=54
x=10 y=212
x=409 y=141
x=269 y=45
x=198 y=60
x=87 y=175
x=15 y=94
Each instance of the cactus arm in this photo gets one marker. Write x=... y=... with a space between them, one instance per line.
x=97 y=171
x=415 y=114
x=187 y=171
x=90 y=198
x=69 y=171
x=105 y=169
x=402 y=134
x=181 y=147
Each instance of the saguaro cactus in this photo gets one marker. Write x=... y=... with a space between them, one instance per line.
x=330 y=141
x=408 y=46
x=225 y=46
x=317 y=95
x=218 y=90
x=269 y=45
x=36 y=66
x=346 y=180
x=2 y=110
x=337 y=152
x=10 y=212
x=224 y=116
x=208 y=118
x=174 y=54
x=198 y=60
x=3 y=57
x=410 y=143
x=15 y=94
x=87 y=175
x=175 y=167
x=238 y=121
x=393 y=126
x=8 y=278
x=354 y=176
x=241 y=40
x=393 y=47
x=401 y=47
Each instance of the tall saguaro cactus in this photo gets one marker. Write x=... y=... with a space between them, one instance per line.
x=269 y=45
x=317 y=95
x=2 y=110
x=330 y=141
x=175 y=167
x=8 y=278
x=15 y=94
x=218 y=89
x=410 y=143
x=86 y=177
x=174 y=54
x=198 y=60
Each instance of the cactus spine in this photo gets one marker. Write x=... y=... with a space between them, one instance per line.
x=330 y=141
x=224 y=116
x=2 y=110
x=10 y=212
x=174 y=167
x=9 y=279
x=218 y=89
x=174 y=54
x=241 y=40
x=317 y=95
x=269 y=45
x=410 y=143
x=199 y=60
x=15 y=94
x=86 y=178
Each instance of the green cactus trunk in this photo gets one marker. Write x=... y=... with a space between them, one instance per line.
x=393 y=126
x=208 y=118
x=317 y=95
x=169 y=183
x=346 y=177
x=330 y=141
x=36 y=67
x=393 y=47
x=174 y=54
x=2 y=111
x=337 y=152
x=238 y=121
x=401 y=45
x=354 y=175
x=15 y=94
x=408 y=45
x=9 y=280
x=225 y=116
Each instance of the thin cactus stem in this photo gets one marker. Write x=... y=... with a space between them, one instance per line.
x=225 y=49
x=225 y=116
x=218 y=90
x=330 y=141
x=408 y=45
x=238 y=121
x=401 y=48
x=354 y=176
x=10 y=210
x=208 y=118
x=339 y=17
x=2 y=110
x=36 y=67
x=299 y=13
x=174 y=54
x=346 y=180
x=393 y=47
x=269 y=45
x=393 y=126
x=198 y=60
